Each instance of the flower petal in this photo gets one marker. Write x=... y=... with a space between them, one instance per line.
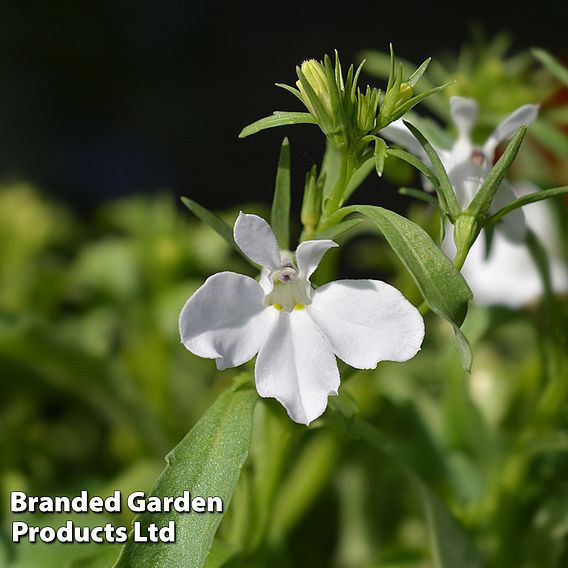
x=309 y=255
x=513 y=225
x=509 y=276
x=296 y=366
x=226 y=319
x=464 y=114
x=397 y=133
x=525 y=114
x=367 y=321
x=256 y=239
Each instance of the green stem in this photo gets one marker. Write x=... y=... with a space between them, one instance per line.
x=335 y=200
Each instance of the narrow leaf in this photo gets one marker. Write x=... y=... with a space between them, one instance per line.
x=526 y=200
x=483 y=198
x=359 y=176
x=552 y=137
x=464 y=349
x=280 y=218
x=439 y=281
x=222 y=228
x=207 y=462
x=279 y=118
x=418 y=194
x=380 y=155
x=408 y=105
x=414 y=161
x=338 y=229
x=446 y=195
x=415 y=77
x=292 y=90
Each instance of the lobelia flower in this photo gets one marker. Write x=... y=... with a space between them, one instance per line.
x=297 y=331
x=508 y=275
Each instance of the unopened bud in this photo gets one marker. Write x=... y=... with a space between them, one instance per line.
x=314 y=72
x=311 y=205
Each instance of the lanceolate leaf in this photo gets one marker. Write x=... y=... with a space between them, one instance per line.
x=464 y=349
x=526 y=200
x=446 y=193
x=279 y=118
x=222 y=228
x=207 y=462
x=280 y=219
x=439 y=281
x=380 y=155
x=483 y=198
x=338 y=229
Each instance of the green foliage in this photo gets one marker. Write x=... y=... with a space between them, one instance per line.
x=440 y=283
x=209 y=461
x=280 y=217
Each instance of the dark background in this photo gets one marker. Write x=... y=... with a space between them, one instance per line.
x=109 y=97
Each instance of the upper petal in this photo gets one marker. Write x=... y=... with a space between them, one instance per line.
x=256 y=239
x=464 y=114
x=523 y=115
x=309 y=255
x=367 y=321
x=296 y=366
x=226 y=319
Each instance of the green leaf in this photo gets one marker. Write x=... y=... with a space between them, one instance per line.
x=418 y=194
x=207 y=462
x=525 y=200
x=338 y=229
x=439 y=281
x=279 y=118
x=446 y=195
x=552 y=64
x=330 y=168
x=482 y=200
x=380 y=155
x=414 y=161
x=280 y=219
x=222 y=228
x=552 y=137
x=408 y=105
x=449 y=544
x=359 y=176
x=464 y=349
x=415 y=77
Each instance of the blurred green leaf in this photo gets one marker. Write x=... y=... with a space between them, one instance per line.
x=208 y=462
x=464 y=349
x=380 y=155
x=525 y=200
x=552 y=64
x=449 y=544
x=216 y=223
x=482 y=200
x=280 y=218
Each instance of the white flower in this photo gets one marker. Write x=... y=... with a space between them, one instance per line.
x=296 y=331
x=508 y=276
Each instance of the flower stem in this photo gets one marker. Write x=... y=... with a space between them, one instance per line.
x=335 y=200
